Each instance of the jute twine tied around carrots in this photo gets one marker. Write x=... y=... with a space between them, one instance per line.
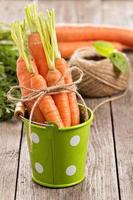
x=38 y=94
x=100 y=79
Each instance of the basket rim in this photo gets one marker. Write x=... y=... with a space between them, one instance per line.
x=44 y=126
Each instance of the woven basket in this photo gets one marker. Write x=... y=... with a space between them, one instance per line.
x=101 y=78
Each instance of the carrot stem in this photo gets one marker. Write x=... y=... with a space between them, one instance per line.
x=19 y=37
x=30 y=14
x=45 y=41
x=37 y=23
x=52 y=31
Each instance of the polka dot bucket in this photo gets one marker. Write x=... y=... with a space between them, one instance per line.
x=58 y=156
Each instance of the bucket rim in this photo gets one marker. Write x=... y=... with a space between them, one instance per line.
x=49 y=124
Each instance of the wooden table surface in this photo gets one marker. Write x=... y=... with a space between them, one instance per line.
x=109 y=172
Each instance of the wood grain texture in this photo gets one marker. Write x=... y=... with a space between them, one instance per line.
x=11 y=10
x=119 y=13
x=101 y=181
x=9 y=152
x=10 y=131
x=122 y=110
x=67 y=9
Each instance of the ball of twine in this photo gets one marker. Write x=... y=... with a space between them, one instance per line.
x=101 y=78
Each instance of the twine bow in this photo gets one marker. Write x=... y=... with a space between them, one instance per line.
x=38 y=94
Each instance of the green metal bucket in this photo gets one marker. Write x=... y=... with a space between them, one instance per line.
x=58 y=156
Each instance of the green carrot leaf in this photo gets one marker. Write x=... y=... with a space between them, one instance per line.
x=104 y=48
x=18 y=33
x=120 y=61
x=8 y=57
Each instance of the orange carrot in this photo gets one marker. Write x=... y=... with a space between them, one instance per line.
x=46 y=104
x=53 y=76
x=34 y=42
x=24 y=78
x=90 y=32
x=37 y=52
x=24 y=72
x=119 y=46
x=62 y=66
x=61 y=99
x=68 y=48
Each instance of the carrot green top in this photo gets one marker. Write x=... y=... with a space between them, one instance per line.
x=30 y=13
x=46 y=41
x=50 y=24
x=18 y=34
x=45 y=26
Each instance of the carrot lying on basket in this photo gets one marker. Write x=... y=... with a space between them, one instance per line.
x=90 y=32
x=24 y=73
x=46 y=103
x=34 y=42
x=53 y=75
x=62 y=66
x=68 y=48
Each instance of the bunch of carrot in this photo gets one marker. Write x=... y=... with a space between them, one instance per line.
x=72 y=37
x=40 y=65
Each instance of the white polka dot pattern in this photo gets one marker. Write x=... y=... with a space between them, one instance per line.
x=75 y=140
x=35 y=138
x=71 y=170
x=39 y=168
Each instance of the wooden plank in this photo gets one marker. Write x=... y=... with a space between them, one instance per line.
x=89 y=11
x=101 y=162
x=101 y=180
x=122 y=110
x=118 y=13
x=9 y=154
x=123 y=130
x=67 y=15
x=10 y=131
x=62 y=8
x=11 y=10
